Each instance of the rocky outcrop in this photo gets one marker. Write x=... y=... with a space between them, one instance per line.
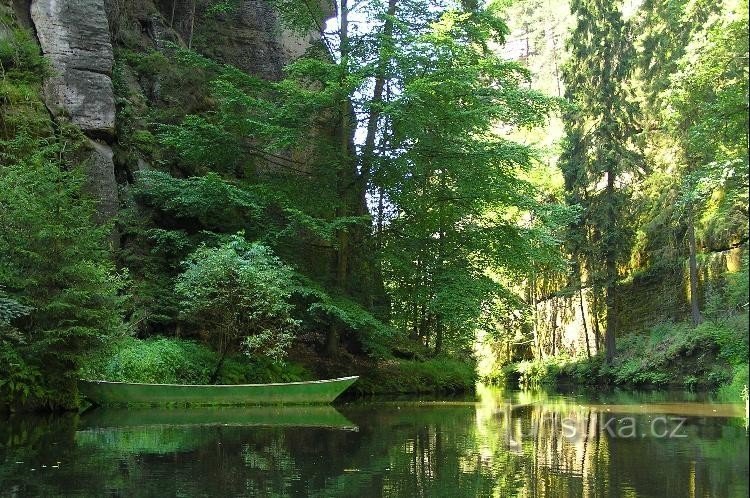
x=74 y=36
x=643 y=301
x=101 y=182
x=248 y=36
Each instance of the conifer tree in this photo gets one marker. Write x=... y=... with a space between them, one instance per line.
x=600 y=156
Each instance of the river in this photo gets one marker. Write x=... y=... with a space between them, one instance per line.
x=500 y=443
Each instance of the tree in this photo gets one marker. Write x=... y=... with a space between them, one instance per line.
x=667 y=28
x=238 y=294
x=428 y=95
x=452 y=178
x=600 y=153
x=53 y=262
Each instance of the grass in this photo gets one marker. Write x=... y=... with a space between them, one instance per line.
x=164 y=360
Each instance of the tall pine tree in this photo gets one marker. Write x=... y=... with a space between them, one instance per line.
x=600 y=157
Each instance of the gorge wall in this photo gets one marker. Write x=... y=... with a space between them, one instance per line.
x=81 y=38
x=648 y=298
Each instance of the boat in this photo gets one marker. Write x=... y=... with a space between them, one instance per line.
x=164 y=430
x=122 y=418
x=106 y=393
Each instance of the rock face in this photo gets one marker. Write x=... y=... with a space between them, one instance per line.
x=100 y=172
x=642 y=302
x=248 y=36
x=74 y=36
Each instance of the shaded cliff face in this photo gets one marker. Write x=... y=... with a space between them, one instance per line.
x=80 y=39
x=74 y=36
x=644 y=301
x=249 y=35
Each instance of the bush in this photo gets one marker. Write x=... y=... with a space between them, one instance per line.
x=437 y=375
x=158 y=360
x=20 y=56
x=709 y=355
x=53 y=260
x=162 y=360
x=238 y=294
x=736 y=389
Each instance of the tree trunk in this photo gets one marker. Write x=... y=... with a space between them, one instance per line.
x=609 y=333
x=610 y=268
x=192 y=26
x=332 y=340
x=535 y=320
x=368 y=149
x=595 y=321
x=438 y=337
x=342 y=254
x=695 y=311
x=217 y=370
x=381 y=214
x=171 y=19
x=583 y=319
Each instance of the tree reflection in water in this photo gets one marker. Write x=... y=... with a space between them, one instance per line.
x=506 y=444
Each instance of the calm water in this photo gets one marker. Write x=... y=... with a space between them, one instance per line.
x=502 y=444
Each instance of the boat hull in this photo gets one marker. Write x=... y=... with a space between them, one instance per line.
x=124 y=393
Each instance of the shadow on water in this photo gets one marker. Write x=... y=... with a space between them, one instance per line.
x=501 y=444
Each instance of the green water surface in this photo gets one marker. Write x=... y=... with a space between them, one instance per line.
x=500 y=443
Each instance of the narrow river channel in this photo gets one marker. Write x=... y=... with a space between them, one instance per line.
x=501 y=443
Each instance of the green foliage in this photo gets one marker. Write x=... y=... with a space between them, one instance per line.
x=20 y=57
x=439 y=375
x=539 y=372
x=62 y=292
x=736 y=389
x=600 y=147
x=738 y=286
x=155 y=360
x=10 y=310
x=52 y=259
x=671 y=354
x=201 y=144
x=259 y=369
x=238 y=294
x=452 y=180
x=209 y=201
x=320 y=308
x=164 y=360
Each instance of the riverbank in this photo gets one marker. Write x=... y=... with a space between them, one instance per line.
x=179 y=361
x=713 y=355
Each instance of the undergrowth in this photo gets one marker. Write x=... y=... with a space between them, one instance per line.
x=163 y=360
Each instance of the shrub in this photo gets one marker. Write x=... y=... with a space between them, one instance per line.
x=163 y=360
x=736 y=389
x=53 y=259
x=20 y=56
x=442 y=374
x=238 y=294
x=158 y=360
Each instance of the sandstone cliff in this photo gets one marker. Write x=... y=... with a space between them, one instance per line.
x=81 y=38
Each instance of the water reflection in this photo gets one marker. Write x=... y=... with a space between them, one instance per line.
x=504 y=444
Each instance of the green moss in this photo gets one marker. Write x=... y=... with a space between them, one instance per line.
x=22 y=71
x=20 y=57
